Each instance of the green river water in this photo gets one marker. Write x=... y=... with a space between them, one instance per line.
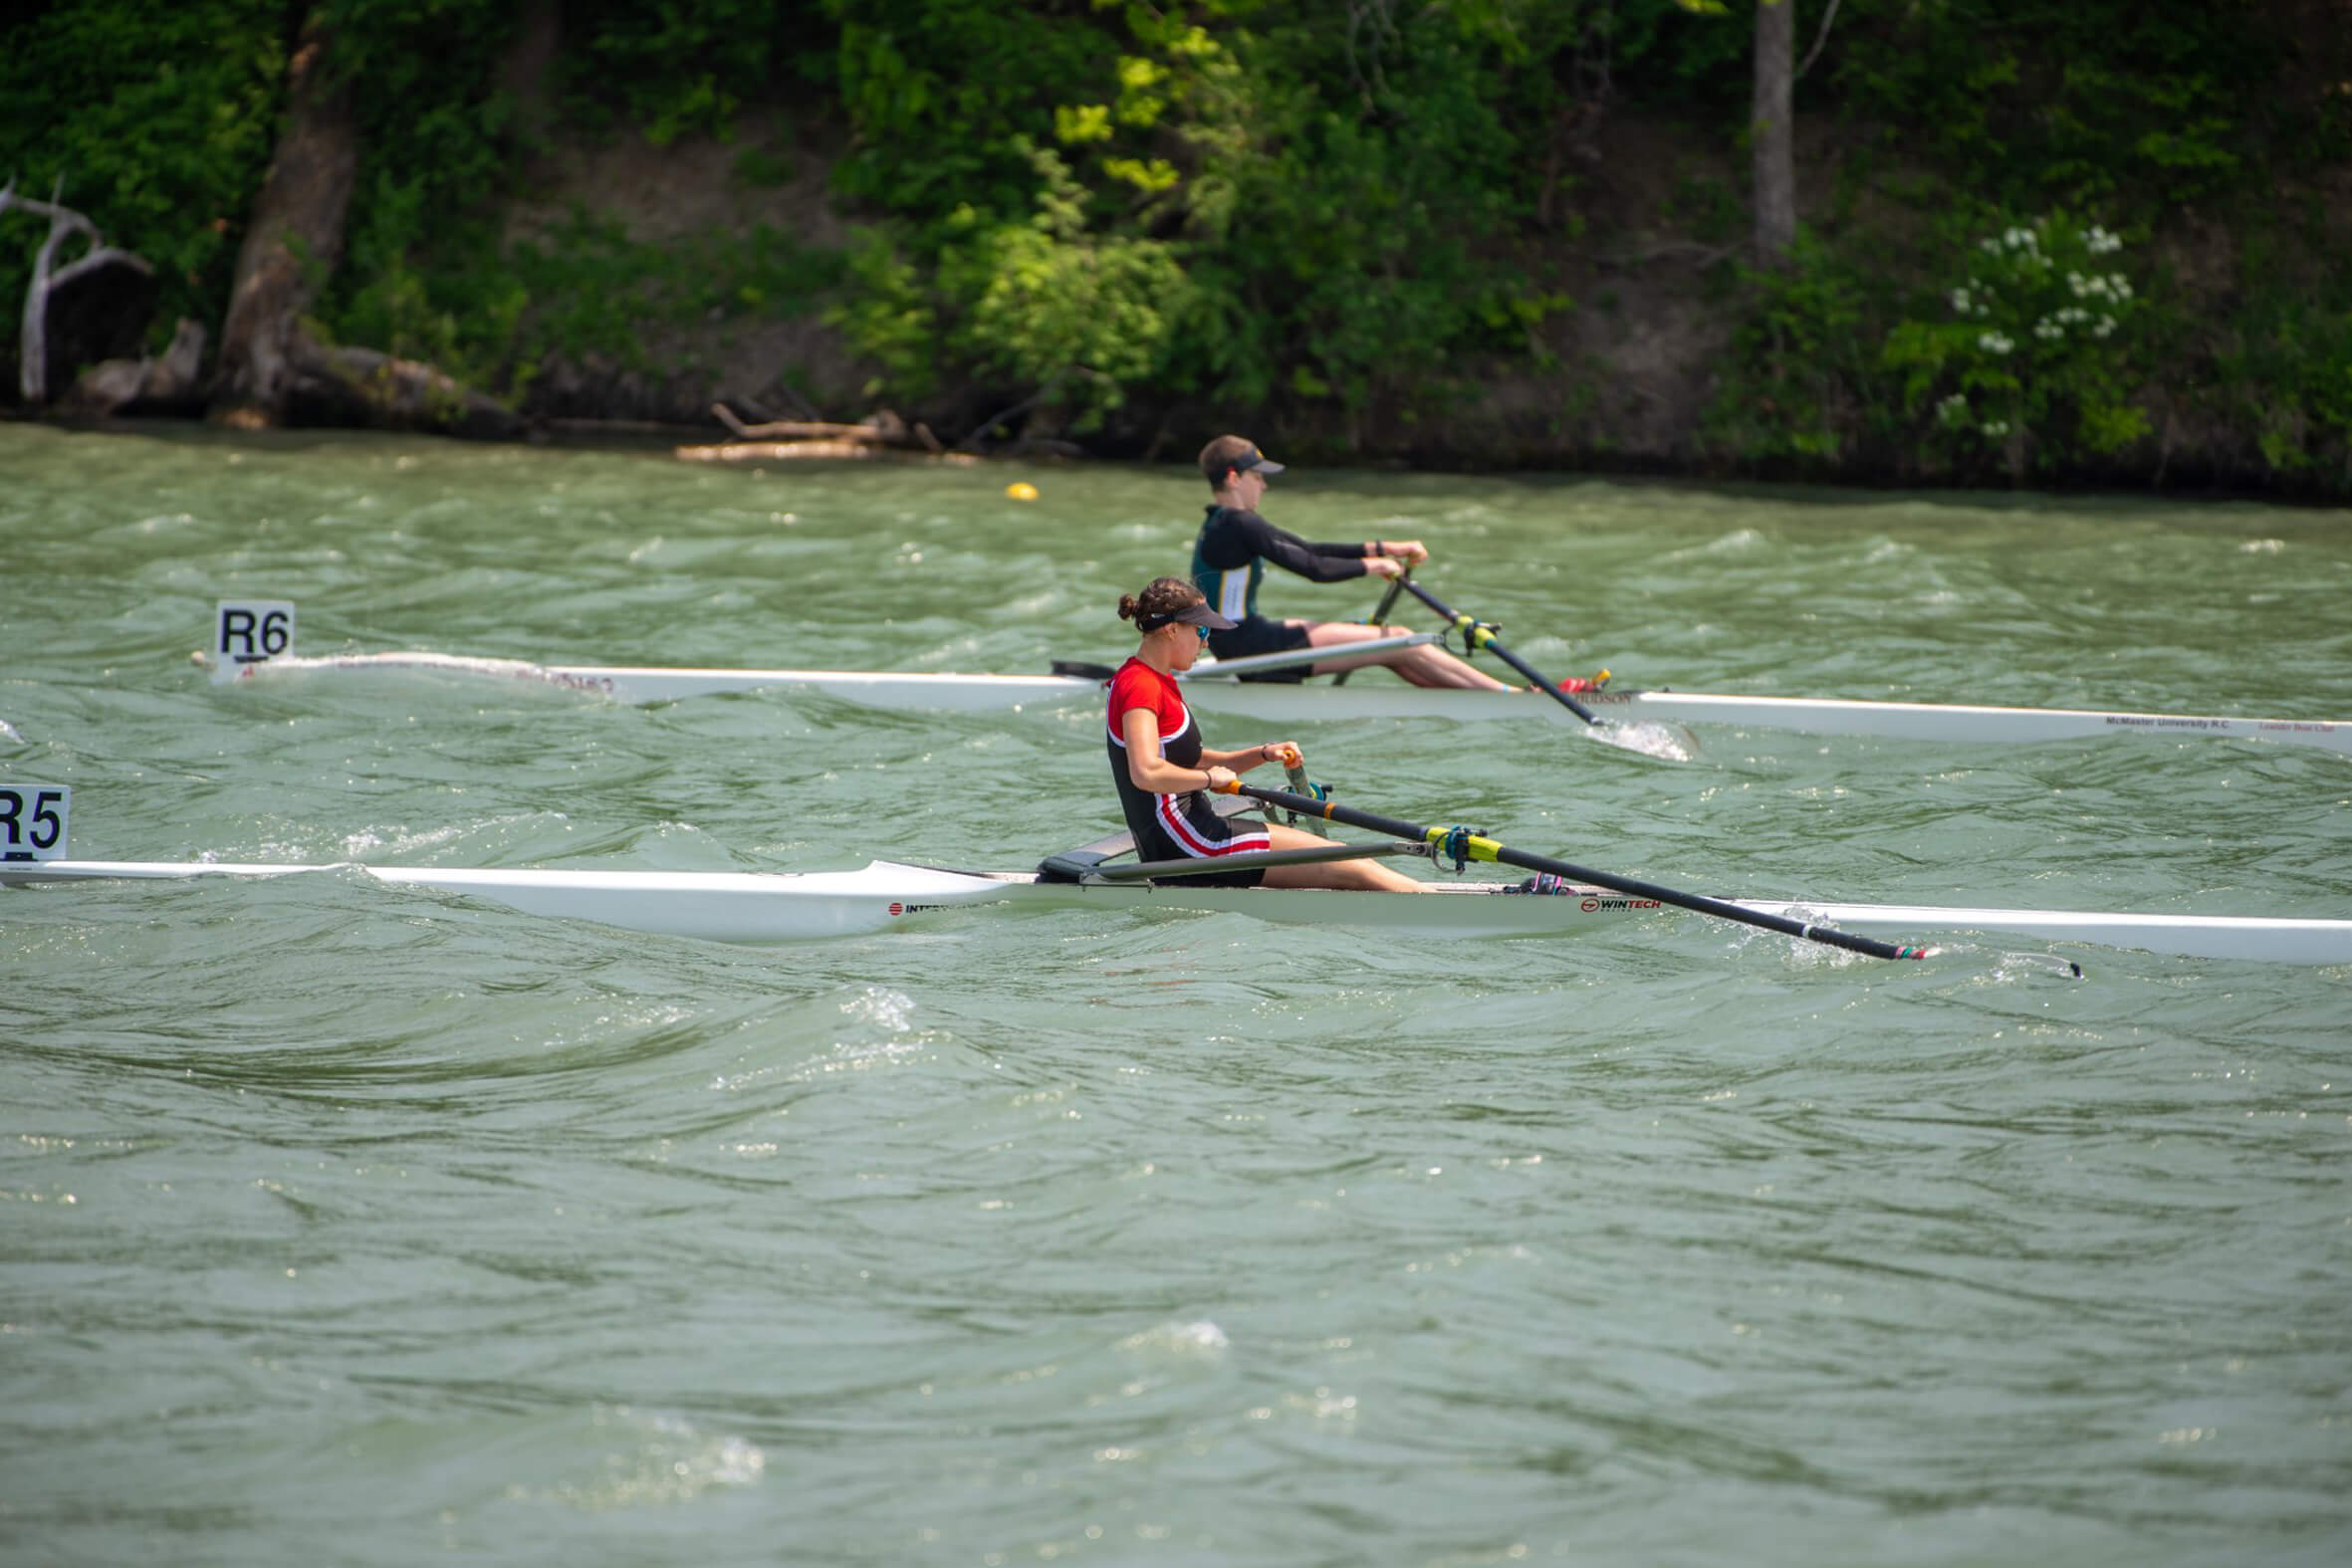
x=340 y=1225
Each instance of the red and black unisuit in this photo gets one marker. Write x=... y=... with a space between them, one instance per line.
x=1173 y=826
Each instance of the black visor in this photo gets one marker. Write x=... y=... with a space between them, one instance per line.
x=1194 y=615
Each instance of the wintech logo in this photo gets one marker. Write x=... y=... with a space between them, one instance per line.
x=1594 y=905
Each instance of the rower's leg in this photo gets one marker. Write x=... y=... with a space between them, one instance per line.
x=1431 y=666
x=1426 y=664
x=1363 y=875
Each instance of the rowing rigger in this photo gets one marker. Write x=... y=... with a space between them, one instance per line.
x=1216 y=688
x=761 y=907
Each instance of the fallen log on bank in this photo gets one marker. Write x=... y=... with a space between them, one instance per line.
x=881 y=428
x=353 y=385
x=795 y=451
x=880 y=434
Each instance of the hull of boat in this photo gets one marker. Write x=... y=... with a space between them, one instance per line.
x=1285 y=704
x=768 y=907
x=779 y=907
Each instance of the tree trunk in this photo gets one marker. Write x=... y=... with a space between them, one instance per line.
x=293 y=244
x=527 y=73
x=1771 y=132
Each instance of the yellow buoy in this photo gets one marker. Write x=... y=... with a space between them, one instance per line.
x=1022 y=490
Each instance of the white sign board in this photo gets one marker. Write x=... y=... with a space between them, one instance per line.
x=33 y=820
x=246 y=632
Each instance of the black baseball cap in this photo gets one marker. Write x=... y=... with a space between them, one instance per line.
x=1234 y=454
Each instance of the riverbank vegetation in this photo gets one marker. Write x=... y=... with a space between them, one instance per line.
x=2025 y=241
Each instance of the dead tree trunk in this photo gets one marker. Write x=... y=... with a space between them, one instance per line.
x=1772 y=131
x=293 y=243
x=48 y=279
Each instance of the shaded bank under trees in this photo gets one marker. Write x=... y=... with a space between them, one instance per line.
x=1365 y=226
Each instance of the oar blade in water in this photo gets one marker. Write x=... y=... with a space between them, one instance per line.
x=1665 y=742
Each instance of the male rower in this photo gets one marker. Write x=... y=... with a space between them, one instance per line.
x=1229 y=561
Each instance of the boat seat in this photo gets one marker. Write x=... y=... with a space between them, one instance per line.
x=1076 y=865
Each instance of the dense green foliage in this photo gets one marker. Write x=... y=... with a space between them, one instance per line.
x=1993 y=120
x=154 y=118
x=1244 y=202
x=2031 y=335
x=1338 y=218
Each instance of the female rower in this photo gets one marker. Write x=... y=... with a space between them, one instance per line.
x=1229 y=561
x=1162 y=770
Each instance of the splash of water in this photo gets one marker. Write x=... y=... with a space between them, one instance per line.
x=1669 y=743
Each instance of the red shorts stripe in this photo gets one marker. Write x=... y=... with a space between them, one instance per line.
x=1168 y=811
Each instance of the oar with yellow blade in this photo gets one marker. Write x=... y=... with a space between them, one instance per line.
x=1476 y=635
x=1669 y=741
x=1461 y=844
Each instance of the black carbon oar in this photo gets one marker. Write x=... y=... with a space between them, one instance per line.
x=1396 y=585
x=1478 y=634
x=1453 y=841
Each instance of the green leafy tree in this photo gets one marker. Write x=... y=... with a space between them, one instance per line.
x=1307 y=204
x=2035 y=354
x=154 y=119
x=1803 y=386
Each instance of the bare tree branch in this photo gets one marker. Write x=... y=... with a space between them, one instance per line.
x=48 y=278
x=1819 y=39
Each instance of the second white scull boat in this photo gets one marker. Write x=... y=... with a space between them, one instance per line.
x=1215 y=689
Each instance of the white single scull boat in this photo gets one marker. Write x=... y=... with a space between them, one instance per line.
x=778 y=907
x=1215 y=688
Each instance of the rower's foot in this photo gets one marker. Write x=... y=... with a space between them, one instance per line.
x=1545 y=882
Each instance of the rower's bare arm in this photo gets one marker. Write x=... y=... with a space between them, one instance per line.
x=1149 y=766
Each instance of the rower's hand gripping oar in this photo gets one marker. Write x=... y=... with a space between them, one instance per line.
x=1478 y=847
x=1294 y=768
x=1476 y=635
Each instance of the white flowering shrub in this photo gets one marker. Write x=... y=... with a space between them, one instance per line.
x=2035 y=344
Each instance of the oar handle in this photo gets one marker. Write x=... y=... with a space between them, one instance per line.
x=1481 y=848
x=1295 y=768
x=1396 y=585
x=1478 y=634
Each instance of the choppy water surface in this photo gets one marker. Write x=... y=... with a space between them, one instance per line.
x=342 y=1225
